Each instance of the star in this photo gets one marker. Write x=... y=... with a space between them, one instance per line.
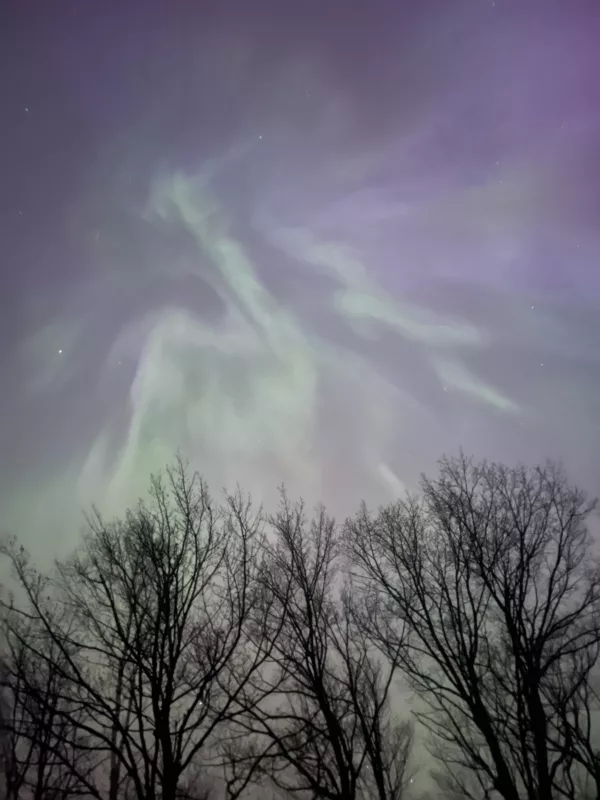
x=60 y=352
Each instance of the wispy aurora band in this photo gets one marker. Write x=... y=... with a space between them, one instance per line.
x=246 y=391
x=295 y=264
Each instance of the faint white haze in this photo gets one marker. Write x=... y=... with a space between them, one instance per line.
x=333 y=288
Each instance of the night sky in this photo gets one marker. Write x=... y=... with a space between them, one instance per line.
x=312 y=243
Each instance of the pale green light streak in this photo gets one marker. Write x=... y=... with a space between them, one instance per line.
x=246 y=390
x=361 y=300
x=456 y=376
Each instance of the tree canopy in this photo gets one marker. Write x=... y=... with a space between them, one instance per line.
x=195 y=646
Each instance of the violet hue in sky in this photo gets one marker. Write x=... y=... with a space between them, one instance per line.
x=318 y=243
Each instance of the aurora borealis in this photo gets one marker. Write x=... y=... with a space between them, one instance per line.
x=309 y=243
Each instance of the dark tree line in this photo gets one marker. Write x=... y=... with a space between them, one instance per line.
x=195 y=647
x=488 y=586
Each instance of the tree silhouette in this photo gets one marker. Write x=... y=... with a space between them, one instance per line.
x=187 y=637
x=325 y=727
x=487 y=587
x=146 y=625
x=42 y=752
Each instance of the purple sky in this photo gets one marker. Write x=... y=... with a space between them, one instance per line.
x=318 y=243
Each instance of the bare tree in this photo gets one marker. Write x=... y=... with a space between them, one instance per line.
x=572 y=693
x=488 y=588
x=42 y=752
x=10 y=768
x=148 y=618
x=325 y=727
